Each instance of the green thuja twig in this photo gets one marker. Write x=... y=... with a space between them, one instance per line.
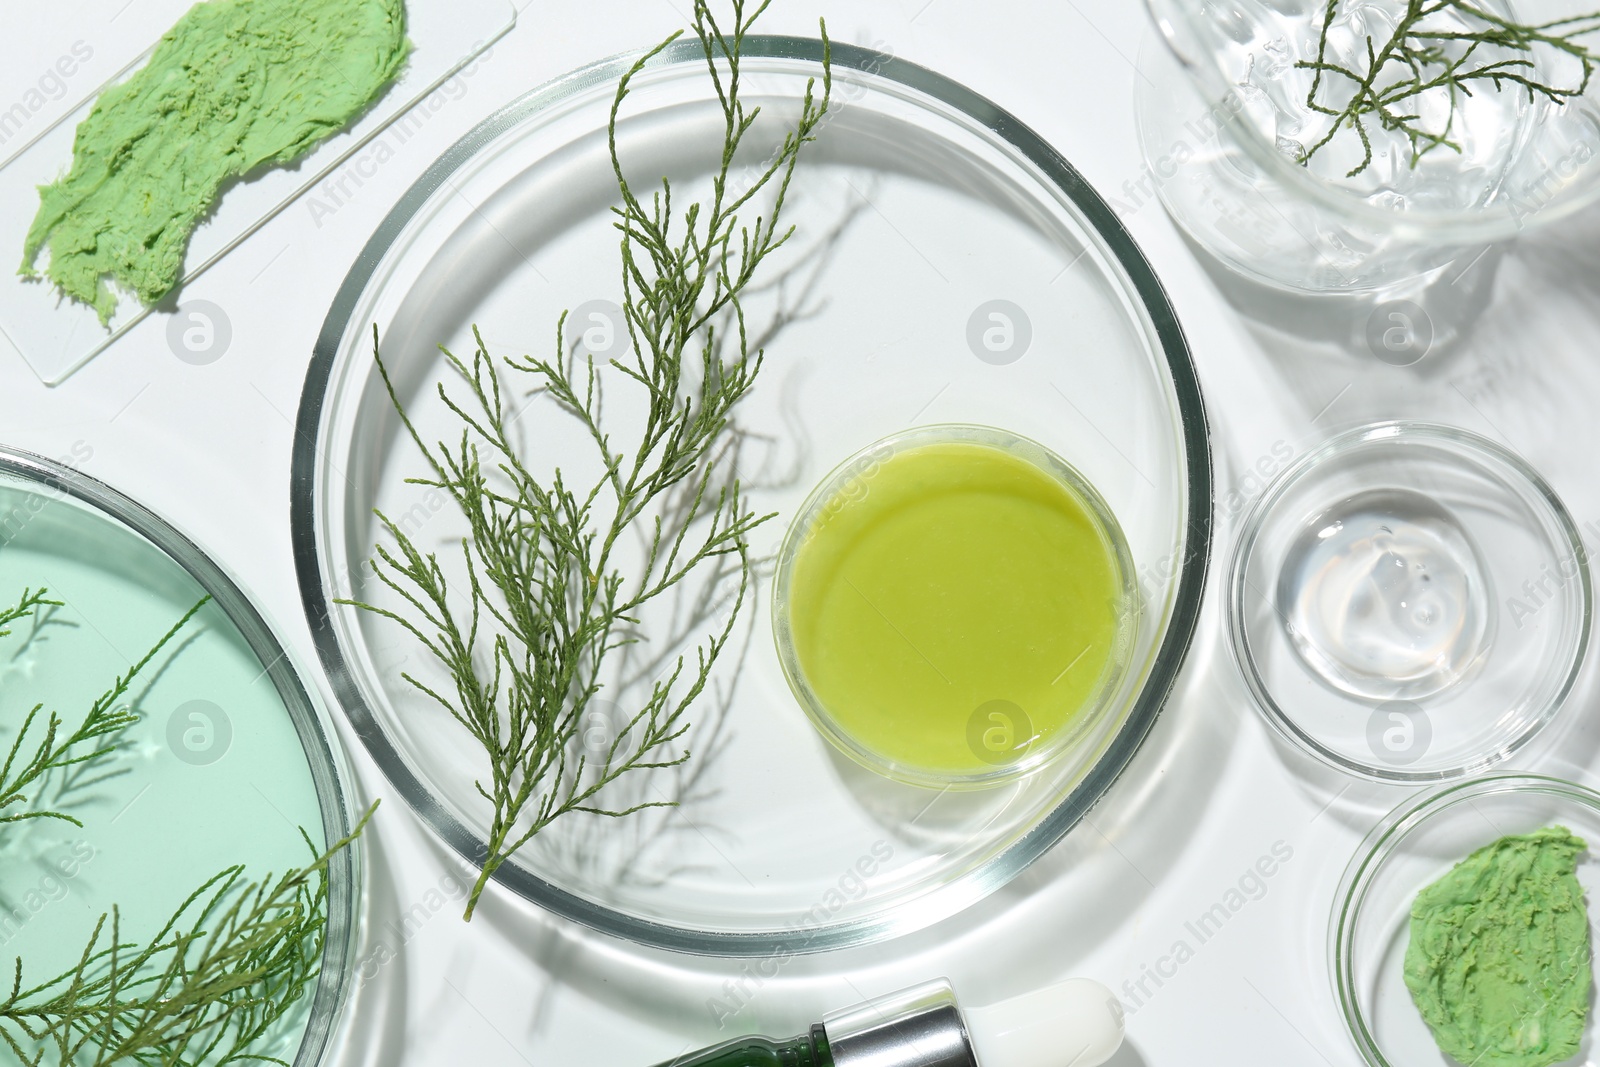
x=546 y=599
x=211 y=983
x=59 y=748
x=1421 y=56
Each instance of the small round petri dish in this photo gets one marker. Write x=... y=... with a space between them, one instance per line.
x=1410 y=849
x=954 y=606
x=231 y=762
x=1409 y=602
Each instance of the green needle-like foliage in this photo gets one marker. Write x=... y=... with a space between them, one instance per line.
x=547 y=596
x=212 y=983
x=60 y=749
x=1422 y=57
x=229 y=963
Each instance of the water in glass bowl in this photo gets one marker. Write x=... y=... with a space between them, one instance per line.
x=1289 y=103
x=1355 y=147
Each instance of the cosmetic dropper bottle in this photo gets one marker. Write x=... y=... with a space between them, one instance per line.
x=1076 y=1023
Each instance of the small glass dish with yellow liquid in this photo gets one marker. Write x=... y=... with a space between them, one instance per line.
x=954 y=606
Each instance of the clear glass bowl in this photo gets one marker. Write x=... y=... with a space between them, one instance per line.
x=1411 y=848
x=1223 y=119
x=1084 y=736
x=232 y=757
x=947 y=266
x=1409 y=602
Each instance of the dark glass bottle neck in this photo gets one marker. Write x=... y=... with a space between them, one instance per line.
x=821 y=1055
x=808 y=1050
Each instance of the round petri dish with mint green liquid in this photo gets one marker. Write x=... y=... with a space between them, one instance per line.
x=228 y=764
x=954 y=606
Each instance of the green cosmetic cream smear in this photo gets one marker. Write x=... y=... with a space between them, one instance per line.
x=954 y=606
x=236 y=85
x=1499 y=961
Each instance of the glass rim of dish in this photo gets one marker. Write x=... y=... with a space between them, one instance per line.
x=1374 y=851
x=954 y=103
x=1485 y=224
x=1489 y=456
x=325 y=758
x=1059 y=471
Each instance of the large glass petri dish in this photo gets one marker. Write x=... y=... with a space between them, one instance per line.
x=948 y=267
x=231 y=759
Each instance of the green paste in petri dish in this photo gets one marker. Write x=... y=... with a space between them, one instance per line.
x=955 y=607
x=1499 y=962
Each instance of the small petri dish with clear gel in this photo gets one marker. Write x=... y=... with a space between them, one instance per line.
x=1409 y=602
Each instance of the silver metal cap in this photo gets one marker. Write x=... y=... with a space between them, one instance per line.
x=916 y=1027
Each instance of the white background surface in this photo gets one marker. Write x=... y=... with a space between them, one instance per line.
x=208 y=447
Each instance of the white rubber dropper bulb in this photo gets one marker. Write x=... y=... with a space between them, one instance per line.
x=1076 y=1023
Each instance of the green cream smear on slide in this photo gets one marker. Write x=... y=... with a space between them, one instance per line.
x=236 y=85
x=1499 y=958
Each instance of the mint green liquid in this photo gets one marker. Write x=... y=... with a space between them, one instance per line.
x=182 y=803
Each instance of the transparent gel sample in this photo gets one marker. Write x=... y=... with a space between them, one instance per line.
x=1385 y=596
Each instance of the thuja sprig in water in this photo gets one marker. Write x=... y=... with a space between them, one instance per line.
x=213 y=982
x=46 y=746
x=1426 y=54
x=207 y=988
x=547 y=598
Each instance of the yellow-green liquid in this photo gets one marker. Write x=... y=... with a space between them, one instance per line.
x=955 y=608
